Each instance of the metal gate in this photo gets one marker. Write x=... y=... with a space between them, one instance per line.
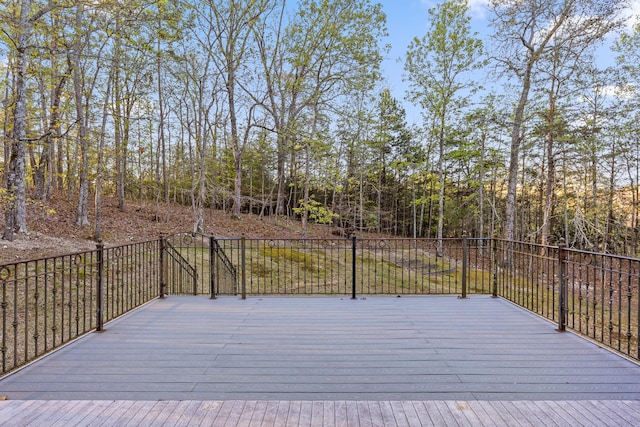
x=195 y=264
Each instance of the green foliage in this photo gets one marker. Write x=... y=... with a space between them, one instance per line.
x=316 y=212
x=305 y=260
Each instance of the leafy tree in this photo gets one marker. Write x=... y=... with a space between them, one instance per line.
x=235 y=21
x=438 y=67
x=328 y=50
x=20 y=19
x=526 y=32
x=391 y=146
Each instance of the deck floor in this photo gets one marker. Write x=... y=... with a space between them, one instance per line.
x=375 y=349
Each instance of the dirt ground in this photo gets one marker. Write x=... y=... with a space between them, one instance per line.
x=52 y=229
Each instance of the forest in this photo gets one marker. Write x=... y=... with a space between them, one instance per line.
x=280 y=108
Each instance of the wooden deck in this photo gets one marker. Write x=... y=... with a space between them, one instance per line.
x=325 y=361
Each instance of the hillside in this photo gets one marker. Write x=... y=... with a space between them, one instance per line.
x=52 y=229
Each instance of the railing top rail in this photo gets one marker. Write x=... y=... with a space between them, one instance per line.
x=76 y=253
x=568 y=249
x=298 y=239
x=47 y=258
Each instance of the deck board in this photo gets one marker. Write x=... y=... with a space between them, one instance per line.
x=301 y=413
x=381 y=348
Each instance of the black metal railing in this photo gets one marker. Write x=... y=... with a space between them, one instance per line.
x=197 y=264
x=180 y=273
x=360 y=266
x=590 y=293
x=48 y=302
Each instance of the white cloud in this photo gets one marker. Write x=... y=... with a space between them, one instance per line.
x=633 y=13
x=479 y=7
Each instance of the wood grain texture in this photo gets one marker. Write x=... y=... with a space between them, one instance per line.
x=307 y=413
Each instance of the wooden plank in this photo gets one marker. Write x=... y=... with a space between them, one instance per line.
x=293 y=417
x=388 y=416
x=27 y=413
x=577 y=413
x=221 y=416
x=410 y=413
x=140 y=412
x=258 y=409
x=532 y=413
x=306 y=413
x=588 y=410
x=628 y=413
x=177 y=413
x=116 y=407
x=270 y=414
x=15 y=410
x=456 y=412
x=317 y=414
x=563 y=415
x=95 y=410
x=361 y=413
x=515 y=409
x=340 y=413
x=71 y=416
x=428 y=414
x=504 y=413
x=352 y=413
x=399 y=414
x=364 y=413
x=632 y=408
x=329 y=414
x=188 y=414
x=376 y=414
x=448 y=418
x=542 y=412
x=468 y=412
x=282 y=414
x=150 y=414
x=487 y=416
x=496 y=415
x=246 y=415
x=168 y=413
x=237 y=409
x=53 y=411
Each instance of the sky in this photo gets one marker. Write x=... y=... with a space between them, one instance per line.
x=407 y=19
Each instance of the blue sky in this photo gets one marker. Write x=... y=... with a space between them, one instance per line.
x=407 y=19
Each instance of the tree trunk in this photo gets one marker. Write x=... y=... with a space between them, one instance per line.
x=551 y=176
x=516 y=139
x=16 y=211
x=441 y=181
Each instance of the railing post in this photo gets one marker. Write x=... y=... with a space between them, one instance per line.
x=100 y=290
x=562 y=303
x=353 y=267
x=212 y=258
x=494 y=268
x=243 y=264
x=163 y=278
x=465 y=254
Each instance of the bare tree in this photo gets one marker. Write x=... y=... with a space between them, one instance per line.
x=526 y=32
